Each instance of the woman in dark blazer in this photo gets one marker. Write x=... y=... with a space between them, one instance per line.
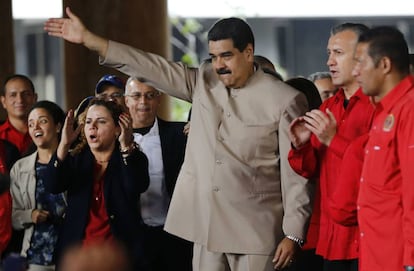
x=103 y=177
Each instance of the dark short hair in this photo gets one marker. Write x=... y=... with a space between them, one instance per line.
x=308 y=88
x=57 y=113
x=54 y=110
x=357 y=28
x=411 y=59
x=16 y=76
x=232 y=28
x=387 y=41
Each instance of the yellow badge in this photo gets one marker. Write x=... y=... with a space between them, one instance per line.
x=388 y=123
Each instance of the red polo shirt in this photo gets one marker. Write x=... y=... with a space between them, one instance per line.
x=386 y=198
x=336 y=241
x=9 y=133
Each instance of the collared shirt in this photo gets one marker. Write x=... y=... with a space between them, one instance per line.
x=338 y=242
x=154 y=202
x=11 y=134
x=386 y=198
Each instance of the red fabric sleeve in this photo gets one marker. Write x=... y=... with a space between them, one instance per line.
x=304 y=161
x=5 y=220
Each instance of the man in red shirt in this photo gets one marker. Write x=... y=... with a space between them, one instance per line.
x=386 y=195
x=17 y=97
x=322 y=136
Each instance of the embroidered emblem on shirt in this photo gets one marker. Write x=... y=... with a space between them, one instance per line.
x=388 y=123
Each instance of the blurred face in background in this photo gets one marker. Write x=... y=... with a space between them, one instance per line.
x=18 y=98
x=112 y=93
x=325 y=87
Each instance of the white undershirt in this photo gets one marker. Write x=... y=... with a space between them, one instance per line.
x=155 y=201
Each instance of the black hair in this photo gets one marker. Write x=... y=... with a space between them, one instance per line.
x=357 y=28
x=17 y=76
x=387 y=41
x=58 y=115
x=308 y=88
x=232 y=28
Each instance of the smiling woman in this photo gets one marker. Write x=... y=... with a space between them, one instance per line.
x=36 y=211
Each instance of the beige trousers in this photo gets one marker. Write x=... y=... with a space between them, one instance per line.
x=204 y=260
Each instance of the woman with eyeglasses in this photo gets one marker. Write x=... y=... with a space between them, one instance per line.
x=103 y=176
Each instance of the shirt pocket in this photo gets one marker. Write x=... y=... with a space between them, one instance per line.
x=258 y=140
x=381 y=161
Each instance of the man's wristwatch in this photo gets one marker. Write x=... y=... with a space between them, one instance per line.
x=297 y=240
x=409 y=268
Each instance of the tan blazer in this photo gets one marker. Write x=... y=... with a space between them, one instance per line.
x=236 y=192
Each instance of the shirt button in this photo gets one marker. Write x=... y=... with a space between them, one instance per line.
x=361 y=234
x=361 y=180
x=358 y=207
x=112 y=217
x=216 y=189
x=228 y=115
x=219 y=162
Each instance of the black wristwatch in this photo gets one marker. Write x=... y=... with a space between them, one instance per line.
x=409 y=268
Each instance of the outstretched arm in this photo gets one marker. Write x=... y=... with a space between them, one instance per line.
x=73 y=30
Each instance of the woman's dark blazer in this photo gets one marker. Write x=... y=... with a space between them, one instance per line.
x=123 y=183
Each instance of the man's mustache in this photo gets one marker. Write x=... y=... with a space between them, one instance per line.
x=223 y=71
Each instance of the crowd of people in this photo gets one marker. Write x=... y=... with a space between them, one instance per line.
x=272 y=174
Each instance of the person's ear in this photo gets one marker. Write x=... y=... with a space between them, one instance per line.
x=58 y=128
x=385 y=64
x=117 y=132
x=249 y=51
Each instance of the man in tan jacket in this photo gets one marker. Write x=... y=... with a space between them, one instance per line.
x=236 y=196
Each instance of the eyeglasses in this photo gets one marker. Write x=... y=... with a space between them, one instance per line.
x=115 y=95
x=148 y=95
